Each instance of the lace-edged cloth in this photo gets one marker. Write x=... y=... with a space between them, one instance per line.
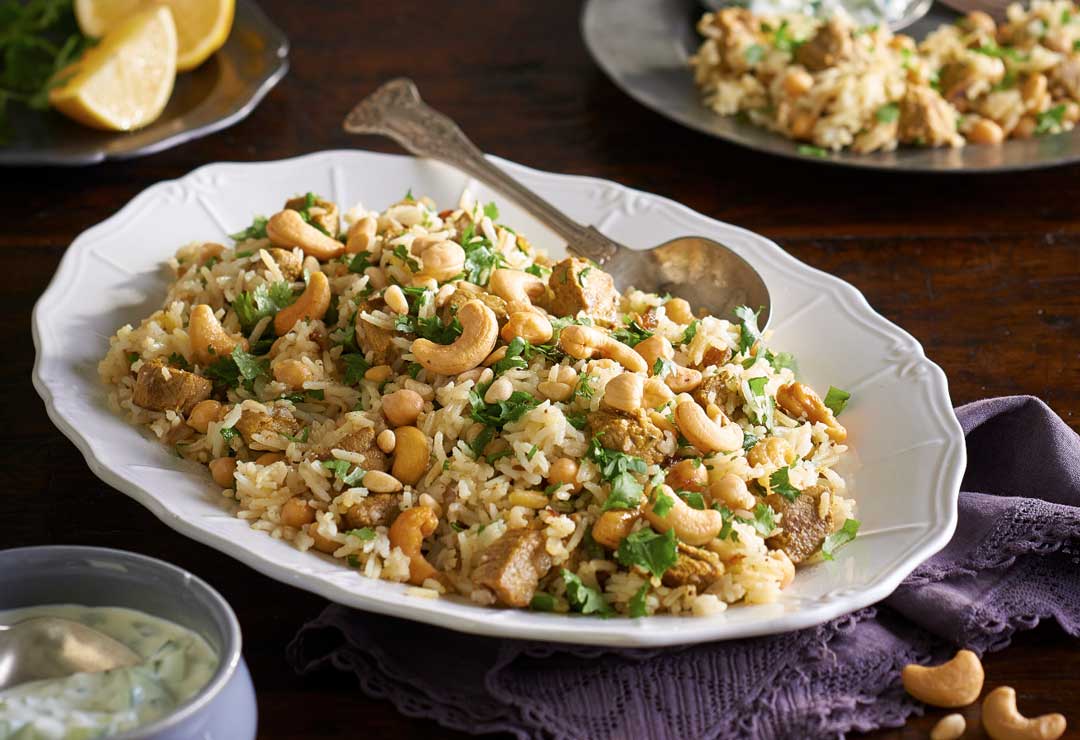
x=1012 y=563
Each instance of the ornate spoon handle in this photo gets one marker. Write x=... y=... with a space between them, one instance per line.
x=396 y=110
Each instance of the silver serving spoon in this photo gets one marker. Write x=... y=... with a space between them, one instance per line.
x=911 y=12
x=53 y=647
x=704 y=272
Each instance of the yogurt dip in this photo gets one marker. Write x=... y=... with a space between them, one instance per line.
x=177 y=663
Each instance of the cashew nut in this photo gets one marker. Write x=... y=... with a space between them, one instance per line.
x=585 y=342
x=704 y=433
x=612 y=527
x=678 y=310
x=516 y=286
x=956 y=683
x=801 y=401
x=479 y=332
x=362 y=235
x=771 y=452
x=678 y=378
x=209 y=342
x=731 y=491
x=1002 y=721
x=408 y=532
x=529 y=325
x=411 y=453
x=949 y=727
x=653 y=348
x=656 y=394
x=624 y=392
x=288 y=229
x=693 y=526
x=682 y=379
x=441 y=260
x=313 y=303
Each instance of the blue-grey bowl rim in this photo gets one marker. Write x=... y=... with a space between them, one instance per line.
x=231 y=647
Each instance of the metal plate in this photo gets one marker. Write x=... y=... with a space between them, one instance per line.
x=644 y=46
x=222 y=91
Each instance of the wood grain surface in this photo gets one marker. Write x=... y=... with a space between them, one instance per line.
x=984 y=271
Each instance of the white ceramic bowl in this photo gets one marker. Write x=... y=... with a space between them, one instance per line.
x=906 y=437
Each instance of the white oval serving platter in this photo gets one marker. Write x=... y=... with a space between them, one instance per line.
x=909 y=444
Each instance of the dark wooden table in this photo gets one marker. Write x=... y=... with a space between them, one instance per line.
x=984 y=271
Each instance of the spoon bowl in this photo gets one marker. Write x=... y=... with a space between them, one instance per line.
x=53 y=647
x=709 y=275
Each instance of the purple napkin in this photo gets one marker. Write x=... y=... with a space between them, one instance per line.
x=1012 y=563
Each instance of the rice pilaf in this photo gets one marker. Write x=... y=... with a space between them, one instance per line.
x=430 y=400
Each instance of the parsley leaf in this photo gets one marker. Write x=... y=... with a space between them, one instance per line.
x=501 y=413
x=491 y=211
x=265 y=300
x=754 y=54
x=637 y=602
x=542 y=602
x=238 y=368
x=836 y=400
x=360 y=262
x=355 y=367
x=649 y=550
x=480 y=257
x=840 y=537
x=888 y=113
x=749 y=333
x=365 y=534
x=780 y=482
x=761 y=405
x=690 y=332
x=663 y=504
x=693 y=499
x=582 y=598
x=764 y=521
x=257 y=230
x=1050 y=120
x=632 y=334
x=811 y=151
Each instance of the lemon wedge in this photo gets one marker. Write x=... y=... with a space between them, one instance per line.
x=202 y=26
x=125 y=81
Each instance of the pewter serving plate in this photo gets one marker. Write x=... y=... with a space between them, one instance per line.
x=221 y=92
x=907 y=441
x=644 y=48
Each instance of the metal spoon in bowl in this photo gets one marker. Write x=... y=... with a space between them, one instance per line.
x=53 y=647
x=704 y=272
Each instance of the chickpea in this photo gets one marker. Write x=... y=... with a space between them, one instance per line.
x=1033 y=88
x=293 y=373
x=797 y=82
x=402 y=407
x=202 y=414
x=802 y=124
x=1025 y=129
x=985 y=131
x=269 y=458
x=222 y=471
x=564 y=472
x=322 y=544
x=296 y=513
x=687 y=475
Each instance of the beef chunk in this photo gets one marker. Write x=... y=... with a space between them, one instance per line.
x=577 y=285
x=322 y=214
x=695 y=567
x=375 y=339
x=803 y=530
x=290 y=264
x=513 y=566
x=377 y=510
x=162 y=388
x=279 y=421
x=831 y=45
x=633 y=434
x=362 y=442
x=465 y=292
x=926 y=118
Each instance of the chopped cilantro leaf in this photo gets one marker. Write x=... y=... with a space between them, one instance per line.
x=632 y=334
x=355 y=367
x=637 y=602
x=811 y=151
x=402 y=253
x=265 y=300
x=480 y=258
x=693 y=499
x=499 y=414
x=754 y=54
x=761 y=405
x=749 y=333
x=690 y=332
x=492 y=211
x=577 y=421
x=764 y=521
x=652 y=551
x=582 y=275
x=227 y=433
x=749 y=439
x=780 y=482
x=836 y=400
x=840 y=537
x=888 y=113
x=1050 y=121
x=582 y=598
x=360 y=262
x=539 y=270
x=257 y=230
x=365 y=534
x=542 y=602
x=663 y=504
x=132 y=357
